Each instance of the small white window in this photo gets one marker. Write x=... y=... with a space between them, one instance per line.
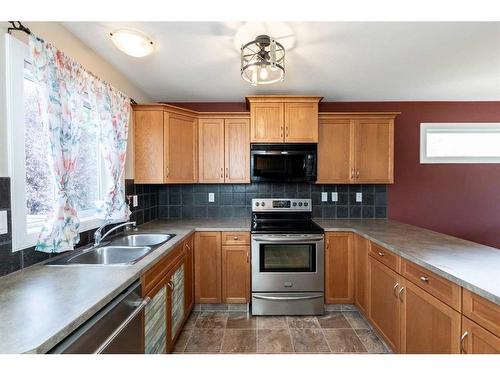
x=456 y=143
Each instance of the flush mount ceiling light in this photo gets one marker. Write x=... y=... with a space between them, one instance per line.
x=263 y=61
x=132 y=42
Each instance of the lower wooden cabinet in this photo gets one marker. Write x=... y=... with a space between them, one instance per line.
x=235 y=274
x=384 y=305
x=361 y=248
x=477 y=340
x=155 y=322
x=208 y=267
x=175 y=302
x=189 y=274
x=427 y=324
x=339 y=267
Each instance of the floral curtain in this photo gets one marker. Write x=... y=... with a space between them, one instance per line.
x=61 y=85
x=111 y=110
x=64 y=88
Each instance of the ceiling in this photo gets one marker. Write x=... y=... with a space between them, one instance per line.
x=342 y=61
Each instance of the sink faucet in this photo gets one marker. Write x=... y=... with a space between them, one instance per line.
x=98 y=237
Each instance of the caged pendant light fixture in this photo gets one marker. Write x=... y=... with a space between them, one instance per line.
x=263 y=61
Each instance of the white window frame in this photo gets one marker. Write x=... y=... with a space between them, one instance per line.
x=463 y=127
x=23 y=234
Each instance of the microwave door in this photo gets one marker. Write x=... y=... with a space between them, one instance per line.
x=269 y=167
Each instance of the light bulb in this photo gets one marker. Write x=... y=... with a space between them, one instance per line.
x=263 y=74
x=254 y=77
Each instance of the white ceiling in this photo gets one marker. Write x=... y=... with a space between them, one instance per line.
x=360 y=61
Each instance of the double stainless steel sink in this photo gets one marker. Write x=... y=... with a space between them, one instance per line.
x=124 y=250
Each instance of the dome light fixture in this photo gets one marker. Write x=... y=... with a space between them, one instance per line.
x=132 y=42
x=263 y=61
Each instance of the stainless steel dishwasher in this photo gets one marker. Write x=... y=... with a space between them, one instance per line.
x=116 y=329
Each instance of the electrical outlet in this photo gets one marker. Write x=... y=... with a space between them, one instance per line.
x=335 y=197
x=359 y=197
x=3 y=222
x=324 y=197
x=211 y=197
x=135 y=201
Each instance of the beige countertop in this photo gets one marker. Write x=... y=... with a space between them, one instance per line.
x=41 y=305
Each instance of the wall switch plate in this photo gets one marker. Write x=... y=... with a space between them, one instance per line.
x=211 y=197
x=359 y=197
x=335 y=196
x=324 y=197
x=135 y=201
x=3 y=222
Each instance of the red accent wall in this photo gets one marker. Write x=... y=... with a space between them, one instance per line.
x=462 y=200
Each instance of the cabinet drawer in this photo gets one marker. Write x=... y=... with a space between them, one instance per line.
x=439 y=287
x=160 y=269
x=235 y=238
x=391 y=260
x=482 y=311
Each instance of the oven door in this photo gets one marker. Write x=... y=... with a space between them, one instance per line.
x=287 y=263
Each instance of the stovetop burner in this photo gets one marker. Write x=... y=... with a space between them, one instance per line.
x=275 y=216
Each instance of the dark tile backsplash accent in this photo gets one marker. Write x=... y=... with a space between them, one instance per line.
x=234 y=200
x=13 y=261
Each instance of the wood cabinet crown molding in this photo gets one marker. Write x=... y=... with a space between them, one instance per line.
x=281 y=99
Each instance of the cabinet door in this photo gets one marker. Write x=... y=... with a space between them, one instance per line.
x=181 y=148
x=189 y=275
x=374 y=150
x=428 y=326
x=301 y=122
x=336 y=151
x=267 y=122
x=207 y=262
x=361 y=247
x=384 y=305
x=339 y=268
x=175 y=303
x=211 y=150
x=235 y=274
x=148 y=147
x=155 y=320
x=477 y=340
x=237 y=150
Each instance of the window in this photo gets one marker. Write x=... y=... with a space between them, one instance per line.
x=33 y=187
x=457 y=143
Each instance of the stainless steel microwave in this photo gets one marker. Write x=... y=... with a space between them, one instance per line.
x=283 y=162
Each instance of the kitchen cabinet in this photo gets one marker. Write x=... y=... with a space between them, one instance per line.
x=336 y=150
x=155 y=322
x=165 y=145
x=356 y=148
x=224 y=150
x=428 y=326
x=235 y=274
x=361 y=248
x=482 y=311
x=278 y=119
x=339 y=268
x=384 y=307
x=208 y=267
x=175 y=302
x=189 y=275
x=477 y=340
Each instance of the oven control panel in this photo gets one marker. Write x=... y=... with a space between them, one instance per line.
x=269 y=205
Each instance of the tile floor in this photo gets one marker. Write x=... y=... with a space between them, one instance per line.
x=342 y=331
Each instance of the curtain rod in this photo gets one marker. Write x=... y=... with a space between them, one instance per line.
x=24 y=29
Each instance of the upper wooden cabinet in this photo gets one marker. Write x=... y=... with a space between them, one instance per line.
x=224 y=150
x=277 y=119
x=165 y=145
x=356 y=148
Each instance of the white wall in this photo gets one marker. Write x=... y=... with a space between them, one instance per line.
x=56 y=34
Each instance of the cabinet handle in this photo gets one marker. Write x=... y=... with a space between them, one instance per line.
x=399 y=293
x=170 y=285
x=381 y=253
x=462 y=340
x=168 y=172
x=221 y=172
x=287 y=131
x=281 y=131
x=352 y=173
x=227 y=172
x=247 y=257
x=357 y=173
x=188 y=247
x=424 y=279
x=394 y=290
x=235 y=238
x=327 y=245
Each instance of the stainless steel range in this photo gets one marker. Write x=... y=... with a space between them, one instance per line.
x=287 y=258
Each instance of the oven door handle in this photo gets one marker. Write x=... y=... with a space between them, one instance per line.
x=287 y=298
x=289 y=239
